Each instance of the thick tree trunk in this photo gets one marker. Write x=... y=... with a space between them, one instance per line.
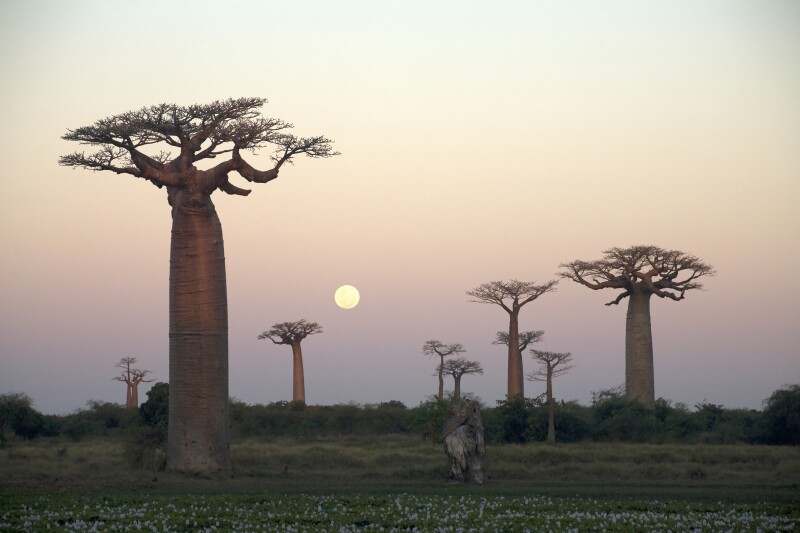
x=135 y=395
x=551 y=422
x=639 y=379
x=129 y=396
x=198 y=341
x=516 y=381
x=298 y=383
x=457 y=389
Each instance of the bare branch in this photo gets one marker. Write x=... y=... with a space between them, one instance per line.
x=291 y=332
x=665 y=273
x=525 y=338
x=518 y=292
x=553 y=364
x=460 y=366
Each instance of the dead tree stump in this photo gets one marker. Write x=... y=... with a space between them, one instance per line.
x=463 y=442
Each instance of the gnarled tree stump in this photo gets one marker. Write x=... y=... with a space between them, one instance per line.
x=463 y=442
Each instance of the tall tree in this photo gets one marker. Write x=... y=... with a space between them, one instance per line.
x=293 y=333
x=132 y=377
x=459 y=367
x=553 y=364
x=163 y=144
x=640 y=272
x=438 y=348
x=511 y=296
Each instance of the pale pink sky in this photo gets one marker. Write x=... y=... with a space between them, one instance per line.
x=480 y=141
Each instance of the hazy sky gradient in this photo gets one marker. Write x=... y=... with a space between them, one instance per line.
x=480 y=141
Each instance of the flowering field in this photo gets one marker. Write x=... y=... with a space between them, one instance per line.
x=397 y=512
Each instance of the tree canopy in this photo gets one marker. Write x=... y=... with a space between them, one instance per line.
x=510 y=295
x=665 y=273
x=162 y=143
x=291 y=332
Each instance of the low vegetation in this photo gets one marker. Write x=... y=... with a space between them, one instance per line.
x=381 y=468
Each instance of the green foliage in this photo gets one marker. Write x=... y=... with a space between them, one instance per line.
x=428 y=419
x=616 y=418
x=514 y=419
x=781 y=416
x=18 y=417
x=145 y=443
x=98 y=418
x=155 y=411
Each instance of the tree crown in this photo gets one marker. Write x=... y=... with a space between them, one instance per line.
x=553 y=363
x=525 y=338
x=518 y=293
x=650 y=269
x=291 y=332
x=435 y=347
x=460 y=366
x=190 y=134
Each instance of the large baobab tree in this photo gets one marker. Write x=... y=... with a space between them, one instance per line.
x=163 y=145
x=132 y=377
x=552 y=365
x=458 y=368
x=640 y=272
x=512 y=296
x=438 y=348
x=293 y=333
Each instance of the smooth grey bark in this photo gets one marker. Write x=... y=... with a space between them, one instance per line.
x=639 y=373
x=198 y=340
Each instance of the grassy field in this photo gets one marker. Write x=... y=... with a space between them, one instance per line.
x=363 y=484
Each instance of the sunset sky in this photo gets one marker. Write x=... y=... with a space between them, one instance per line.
x=479 y=141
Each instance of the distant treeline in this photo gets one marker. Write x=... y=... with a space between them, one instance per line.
x=610 y=417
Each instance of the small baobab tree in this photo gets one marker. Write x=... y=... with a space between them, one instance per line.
x=163 y=145
x=293 y=333
x=438 y=348
x=640 y=272
x=132 y=377
x=526 y=338
x=552 y=365
x=511 y=296
x=458 y=367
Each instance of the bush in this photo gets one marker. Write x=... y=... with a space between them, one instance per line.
x=18 y=417
x=616 y=418
x=781 y=418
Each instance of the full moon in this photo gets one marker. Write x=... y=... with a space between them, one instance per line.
x=347 y=297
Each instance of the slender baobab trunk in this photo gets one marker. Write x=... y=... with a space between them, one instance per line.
x=441 y=378
x=129 y=397
x=551 y=417
x=198 y=340
x=516 y=381
x=135 y=395
x=639 y=380
x=299 y=382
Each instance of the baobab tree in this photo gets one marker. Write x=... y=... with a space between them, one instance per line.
x=434 y=347
x=525 y=338
x=293 y=333
x=458 y=368
x=553 y=364
x=163 y=144
x=132 y=377
x=511 y=296
x=640 y=272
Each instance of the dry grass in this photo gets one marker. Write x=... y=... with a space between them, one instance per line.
x=404 y=462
